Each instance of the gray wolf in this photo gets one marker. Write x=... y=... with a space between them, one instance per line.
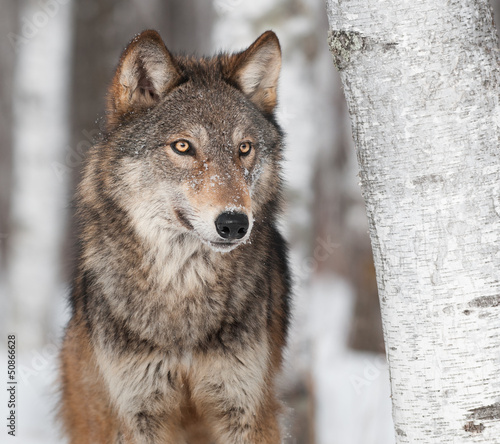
x=180 y=301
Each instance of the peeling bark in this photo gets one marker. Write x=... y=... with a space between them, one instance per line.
x=421 y=81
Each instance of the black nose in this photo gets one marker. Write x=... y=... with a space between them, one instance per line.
x=232 y=225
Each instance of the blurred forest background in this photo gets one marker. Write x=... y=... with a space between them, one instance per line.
x=57 y=58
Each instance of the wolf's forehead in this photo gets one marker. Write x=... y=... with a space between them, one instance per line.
x=206 y=134
x=199 y=132
x=213 y=114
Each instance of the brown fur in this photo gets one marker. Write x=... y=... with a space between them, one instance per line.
x=176 y=333
x=87 y=415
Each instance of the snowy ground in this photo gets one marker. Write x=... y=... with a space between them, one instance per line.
x=36 y=397
x=351 y=388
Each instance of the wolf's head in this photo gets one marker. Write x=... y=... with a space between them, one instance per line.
x=192 y=145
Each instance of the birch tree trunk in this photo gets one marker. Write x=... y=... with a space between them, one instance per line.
x=40 y=137
x=421 y=81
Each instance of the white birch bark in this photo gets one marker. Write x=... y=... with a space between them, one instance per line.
x=421 y=81
x=40 y=139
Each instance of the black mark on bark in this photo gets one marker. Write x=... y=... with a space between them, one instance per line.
x=343 y=44
x=490 y=412
x=474 y=428
x=485 y=301
x=400 y=432
x=428 y=179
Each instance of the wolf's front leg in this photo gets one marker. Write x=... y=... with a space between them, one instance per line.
x=143 y=390
x=236 y=392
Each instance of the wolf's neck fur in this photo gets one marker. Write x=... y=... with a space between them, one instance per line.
x=160 y=286
x=180 y=262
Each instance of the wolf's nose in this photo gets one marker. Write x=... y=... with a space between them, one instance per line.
x=232 y=225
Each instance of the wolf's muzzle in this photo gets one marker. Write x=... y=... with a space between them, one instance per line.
x=232 y=225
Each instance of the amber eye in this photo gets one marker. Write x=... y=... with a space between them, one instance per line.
x=182 y=147
x=245 y=148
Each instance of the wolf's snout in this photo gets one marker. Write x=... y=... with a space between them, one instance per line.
x=232 y=225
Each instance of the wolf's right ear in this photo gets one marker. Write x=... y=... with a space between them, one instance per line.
x=145 y=73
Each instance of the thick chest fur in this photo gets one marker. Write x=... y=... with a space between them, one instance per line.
x=181 y=296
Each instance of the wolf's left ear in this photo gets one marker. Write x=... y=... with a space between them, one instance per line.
x=145 y=73
x=256 y=71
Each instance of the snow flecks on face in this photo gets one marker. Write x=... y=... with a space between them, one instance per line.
x=256 y=173
x=262 y=141
x=215 y=180
x=234 y=209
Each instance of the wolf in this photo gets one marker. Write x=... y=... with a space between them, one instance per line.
x=180 y=303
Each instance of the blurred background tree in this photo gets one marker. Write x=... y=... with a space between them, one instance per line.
x=8 y=24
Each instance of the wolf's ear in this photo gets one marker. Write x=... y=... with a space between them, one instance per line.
x=256 y=71
x=145 y=73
